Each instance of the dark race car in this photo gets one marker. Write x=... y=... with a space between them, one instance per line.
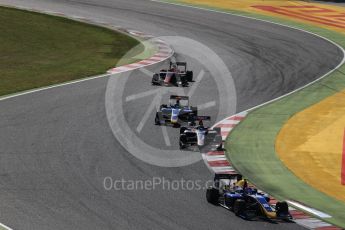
x=198 y=137
x=177 y=112
x=176 y=75
x=233 y=193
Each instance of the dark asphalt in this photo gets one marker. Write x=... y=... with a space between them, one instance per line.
x=56 y=146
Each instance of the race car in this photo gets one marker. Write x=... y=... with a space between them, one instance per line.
x=244 y=200
x=176 y=75
x=177 y=112
x=197 y=135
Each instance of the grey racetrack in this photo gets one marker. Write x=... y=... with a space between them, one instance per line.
x=57 y=146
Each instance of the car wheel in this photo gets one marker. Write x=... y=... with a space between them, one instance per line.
x=157 y=121
x=176 y=125
x=212 y=195
x=282 y=208
x=189 y=75
x=182 y=129
x=239 y=207
x=183 y=140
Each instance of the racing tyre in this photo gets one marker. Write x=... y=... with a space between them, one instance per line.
x=195 y=111
x=282 y=208
x=182 y=129
x=189 y=76
x=163 y=106
x=176 y=125
x=239 y=207
x=155 y=79
x=183 y=140
x=212 y=195
x=157 y=121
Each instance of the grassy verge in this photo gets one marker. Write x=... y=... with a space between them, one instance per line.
x=252 y=148
x=39 y=50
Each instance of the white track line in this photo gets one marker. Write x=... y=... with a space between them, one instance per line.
x=196 y=83
x=166 y=136
x=53 y=86
x=5 y=227
x=207 y=105
x=308 y=209
x=146 y=72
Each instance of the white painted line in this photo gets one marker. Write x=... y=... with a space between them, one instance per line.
x=242 y=114
x=53 y=86
x=196 y=84
x=312 y=223
x=146 y=72
x=226 y=129
x=207 y=105
x=230 y=122
x=309 y=210
x=5 y=227
x=141 y=95
x=166 y=136
x=215 y=158
x=223 y=169
x=157 y=99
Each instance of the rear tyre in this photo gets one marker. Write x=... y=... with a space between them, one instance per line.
x=189 y=76
x=194 y=111
x=176 y=125
x=157 y=121
x=282 y=208
x=239 y=207
x=182 y=129
x=212 y=195
x=155 y=79
x=183 y=140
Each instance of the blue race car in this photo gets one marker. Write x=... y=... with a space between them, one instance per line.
x=243 y=200
x=177 y=112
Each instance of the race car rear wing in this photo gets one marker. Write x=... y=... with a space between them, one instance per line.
x=176 y=97
x=178 y=64
x=227 y=176
x=182 y=64
x=202 y=118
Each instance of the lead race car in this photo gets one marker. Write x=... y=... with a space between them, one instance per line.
x=232 y=192
x=176 y=75
x=197 y=135
x=177 y=112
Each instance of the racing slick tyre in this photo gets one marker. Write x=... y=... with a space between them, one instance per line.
x=163 y=106
x=157 y=121
x=195 y=111
x=239 y=207
x=182 y=129
x=282 y=208
x=155 y=79
x=212 y=195
x=176 y=125
x=189 y=76
x=183 y=140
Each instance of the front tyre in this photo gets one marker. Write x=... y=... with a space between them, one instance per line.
x=212 y=195
x=157 y=120
x=239 y=207
x=189 y=76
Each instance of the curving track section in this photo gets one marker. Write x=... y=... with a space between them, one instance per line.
x=57 y=146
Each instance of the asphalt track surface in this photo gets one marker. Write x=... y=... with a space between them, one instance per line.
x=57 y=146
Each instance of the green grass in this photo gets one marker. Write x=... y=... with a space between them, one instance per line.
x=39 y=50
x=251 y=145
